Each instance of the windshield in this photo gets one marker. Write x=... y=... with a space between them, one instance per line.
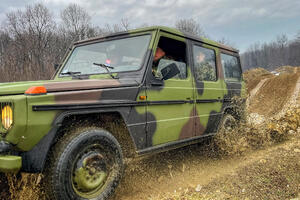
x=122 y=55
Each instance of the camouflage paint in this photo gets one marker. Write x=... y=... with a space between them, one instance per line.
x=170 y=119
x=148 y=124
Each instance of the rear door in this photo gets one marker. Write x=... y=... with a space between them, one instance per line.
x=209 y=85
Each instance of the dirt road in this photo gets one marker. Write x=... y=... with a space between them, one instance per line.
x=196 y=174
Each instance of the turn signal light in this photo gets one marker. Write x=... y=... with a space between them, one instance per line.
x=143 y=97
x=36 y=90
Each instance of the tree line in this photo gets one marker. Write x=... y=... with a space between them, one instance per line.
x=280 y=52
x=31 y=41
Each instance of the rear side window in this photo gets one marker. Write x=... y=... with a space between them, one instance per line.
x=204 y=64
x=231 y=67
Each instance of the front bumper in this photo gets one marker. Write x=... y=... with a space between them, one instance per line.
x=9 y=163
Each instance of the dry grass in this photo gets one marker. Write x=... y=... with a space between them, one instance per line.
x=11 y=71
x=3 y=186
x=21 y=186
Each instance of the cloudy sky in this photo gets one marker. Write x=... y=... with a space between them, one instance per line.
x=242 y=22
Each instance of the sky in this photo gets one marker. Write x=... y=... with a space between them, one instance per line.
x=241 y=22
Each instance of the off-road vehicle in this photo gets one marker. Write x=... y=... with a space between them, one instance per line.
x=164 y=88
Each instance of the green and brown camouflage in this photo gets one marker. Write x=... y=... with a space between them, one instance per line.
x=175 y=112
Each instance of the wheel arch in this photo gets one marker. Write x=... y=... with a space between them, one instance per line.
x=34 y=160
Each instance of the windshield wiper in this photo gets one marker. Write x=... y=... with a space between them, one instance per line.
x=71 y=73
x=107 y=67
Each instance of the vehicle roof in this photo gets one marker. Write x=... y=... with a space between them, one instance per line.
x=165 y=29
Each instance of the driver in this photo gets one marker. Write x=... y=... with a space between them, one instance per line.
x=158 y=55
x=113 y=58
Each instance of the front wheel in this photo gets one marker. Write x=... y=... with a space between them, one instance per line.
x=85 y=165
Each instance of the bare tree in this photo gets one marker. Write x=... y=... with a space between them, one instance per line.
x=32 y=31
x=113 y=28
x=76 y=22
x=125 y=23
x=5 y=40
x=190 y=26
x=273 y=54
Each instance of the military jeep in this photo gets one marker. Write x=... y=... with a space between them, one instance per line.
x=67 y=127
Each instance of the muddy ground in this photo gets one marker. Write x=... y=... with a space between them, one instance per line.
x=260 y=159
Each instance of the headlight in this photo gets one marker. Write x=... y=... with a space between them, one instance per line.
x=7 y=116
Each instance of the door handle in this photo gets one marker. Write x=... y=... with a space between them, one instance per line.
x=157 y=84
x=189 y=100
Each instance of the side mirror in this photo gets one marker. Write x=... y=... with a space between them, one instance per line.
x=170 y=71
x=56 y=66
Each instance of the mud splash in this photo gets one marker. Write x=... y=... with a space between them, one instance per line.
x=254 y=133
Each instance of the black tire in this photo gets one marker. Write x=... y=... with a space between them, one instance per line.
x=84 y=164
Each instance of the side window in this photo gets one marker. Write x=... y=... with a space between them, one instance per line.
x=204 y=64
x=231 y=67
x=170 y=52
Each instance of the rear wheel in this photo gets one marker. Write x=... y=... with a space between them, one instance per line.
x=228 y=122
x=85 y=164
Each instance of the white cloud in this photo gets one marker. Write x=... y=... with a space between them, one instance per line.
x=232 y=15
x=208 y=13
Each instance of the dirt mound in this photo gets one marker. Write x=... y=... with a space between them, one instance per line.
x=273 y=94
x=254 y=76
x=287 y=69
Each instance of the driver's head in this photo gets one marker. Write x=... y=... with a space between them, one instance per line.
x=114 y=58
x=159 y=54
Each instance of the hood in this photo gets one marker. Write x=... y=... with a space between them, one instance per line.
x=60 y=86
x=17 y=87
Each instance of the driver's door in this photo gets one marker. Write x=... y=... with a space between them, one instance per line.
x=170 y=113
